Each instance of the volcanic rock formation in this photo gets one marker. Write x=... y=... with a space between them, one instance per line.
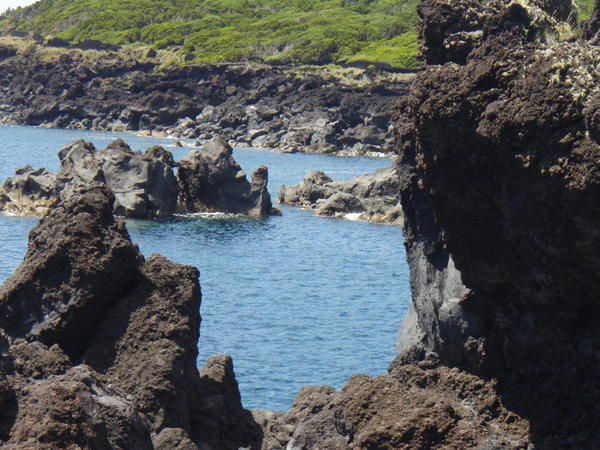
x=500 y=159
x=144 y=184
x=499 y=155
x=259 y=106
x=211 y=180
x=372 y=197
x=98 y=346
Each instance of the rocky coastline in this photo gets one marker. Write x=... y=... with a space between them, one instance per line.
x=103 y=355
x=145 y=185
x=285 y=108
x=498 y=145
x=499 y=156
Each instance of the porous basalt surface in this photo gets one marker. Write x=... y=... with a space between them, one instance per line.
x=499 y=156
x=98 y=346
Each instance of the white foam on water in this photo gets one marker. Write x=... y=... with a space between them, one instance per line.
x=353 y=216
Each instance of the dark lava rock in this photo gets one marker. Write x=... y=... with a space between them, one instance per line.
x=82 y=281
x=499 y=162
x=414 y=407
x=372 y=197
x=98 y=347
x=144 y=185
x=499 y=181
x=210 y=180
x=260 y=106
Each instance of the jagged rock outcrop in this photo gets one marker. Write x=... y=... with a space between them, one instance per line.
x=98 y=346
x=417 y=406
x=144 y=184
x=29 y=192
x=372 y=197
x=210 y=180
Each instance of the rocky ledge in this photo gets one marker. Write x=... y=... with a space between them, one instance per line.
x=286 y=108
x=372 y=197
x=144 y=184
x=98 y=346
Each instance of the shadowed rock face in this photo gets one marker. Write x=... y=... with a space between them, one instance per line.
x=210 y=180
x=98 y=346
x=499 y=161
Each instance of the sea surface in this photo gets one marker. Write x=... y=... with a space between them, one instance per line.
x=296 y=299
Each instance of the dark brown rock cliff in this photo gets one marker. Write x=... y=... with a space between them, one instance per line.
x=98 y=346
x=499 y=157
x=500 y=153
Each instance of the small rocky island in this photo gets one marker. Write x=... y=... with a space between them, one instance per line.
x=372 y=197
x=145 y=185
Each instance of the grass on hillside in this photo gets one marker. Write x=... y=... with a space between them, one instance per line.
x=299 y=31
x=359 y=32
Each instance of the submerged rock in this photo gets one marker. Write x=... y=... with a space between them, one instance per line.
x=98 y=346
x=210 y=180
x=373 y=197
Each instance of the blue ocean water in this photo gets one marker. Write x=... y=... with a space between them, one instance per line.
x=295 y=300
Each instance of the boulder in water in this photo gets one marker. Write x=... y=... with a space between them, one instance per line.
x=210 y=180
x=372 y=197
x=30 y=192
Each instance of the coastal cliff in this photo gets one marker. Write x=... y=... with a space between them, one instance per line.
x=285 y=108
x=499 y=152
x=500 y=149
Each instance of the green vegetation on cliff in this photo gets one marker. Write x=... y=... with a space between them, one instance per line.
x=377 y=32
x=300 y=31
